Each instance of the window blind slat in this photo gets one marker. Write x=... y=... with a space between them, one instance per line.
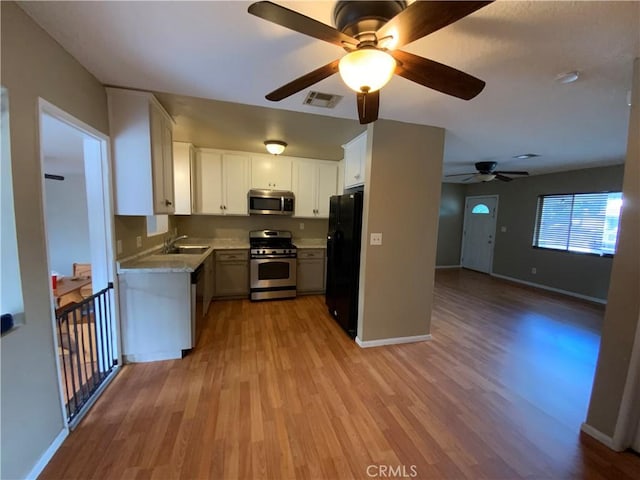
x=578 y=222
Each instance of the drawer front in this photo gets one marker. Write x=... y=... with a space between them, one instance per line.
x=305 y=253
x=232 y=256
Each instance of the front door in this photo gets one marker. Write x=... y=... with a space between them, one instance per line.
x=479 y=233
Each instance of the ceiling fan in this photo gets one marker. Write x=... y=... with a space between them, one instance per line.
x=486 y=171
x=371 y=32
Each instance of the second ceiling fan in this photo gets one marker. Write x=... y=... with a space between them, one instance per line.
x=371 y=32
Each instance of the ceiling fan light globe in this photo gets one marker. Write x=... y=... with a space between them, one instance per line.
x=367 y=69
x=486 y=177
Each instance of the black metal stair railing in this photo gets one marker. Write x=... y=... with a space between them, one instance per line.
x=86 y=347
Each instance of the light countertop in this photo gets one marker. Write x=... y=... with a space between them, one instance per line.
x=310 y=242
x=154 y=261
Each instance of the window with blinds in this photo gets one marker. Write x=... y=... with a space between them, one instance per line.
x=581 y=222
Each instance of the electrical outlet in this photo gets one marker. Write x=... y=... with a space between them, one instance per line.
x=376 y=239
x=534 y=270
x=503 y=229
x=138 y=241
x=118 y=247
x=301 y=226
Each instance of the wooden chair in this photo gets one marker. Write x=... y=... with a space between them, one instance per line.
x=83 y=270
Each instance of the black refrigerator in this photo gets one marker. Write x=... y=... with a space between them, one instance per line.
x=343 y=259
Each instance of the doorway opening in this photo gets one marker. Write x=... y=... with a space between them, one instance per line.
x=78 y=227
x=478 y=234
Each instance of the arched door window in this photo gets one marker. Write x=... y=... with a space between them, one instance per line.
x=481 y=208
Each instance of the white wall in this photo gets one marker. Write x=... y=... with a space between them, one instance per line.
x=67 y=223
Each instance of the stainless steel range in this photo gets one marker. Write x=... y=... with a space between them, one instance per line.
x=273 y=264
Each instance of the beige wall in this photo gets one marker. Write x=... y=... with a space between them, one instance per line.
x=238 y=227
x=623 y=307
x=450 y=220
x=127 y=228
x=34 y=65
x=401 y=199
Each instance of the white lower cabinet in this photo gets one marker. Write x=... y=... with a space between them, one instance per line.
x=221 y=183
x=232 y=273
x=155 y=314
x=311 y=271
x=314 y=182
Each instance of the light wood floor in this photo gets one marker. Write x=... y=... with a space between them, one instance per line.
x=276 y=390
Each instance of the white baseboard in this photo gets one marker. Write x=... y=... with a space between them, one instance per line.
x=438 y=267
x=47 y=455
x=598 y=435
x=153 y=356
x=391 y=341
x=551 y=289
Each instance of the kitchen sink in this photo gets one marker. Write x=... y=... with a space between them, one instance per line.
x=188 y=249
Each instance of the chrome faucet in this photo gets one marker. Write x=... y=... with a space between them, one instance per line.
x=170 y=243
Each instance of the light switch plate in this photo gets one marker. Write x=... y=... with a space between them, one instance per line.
x=301 y=226
x=376 y=239
x=138 y=241
x=503 y=229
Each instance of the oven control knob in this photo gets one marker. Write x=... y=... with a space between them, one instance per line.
x=273 y=252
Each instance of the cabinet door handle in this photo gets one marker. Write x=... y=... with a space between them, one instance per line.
x=168 y=202
x=357 y=176
x=220 y=207
x=225 y=207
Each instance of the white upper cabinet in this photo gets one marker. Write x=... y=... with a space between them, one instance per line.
x=355 y=154
x=221 y=183
x=314 y=181
x=270 y=172
x=183 y=160
x=141 y=135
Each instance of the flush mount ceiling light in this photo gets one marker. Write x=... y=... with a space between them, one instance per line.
x=568 y=77
x=367 y=70
x=276 y=147
x=524 y=156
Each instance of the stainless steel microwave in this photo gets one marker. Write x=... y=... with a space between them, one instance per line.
x=270 y=202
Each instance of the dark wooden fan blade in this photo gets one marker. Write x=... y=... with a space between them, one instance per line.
x=303 y=82
x=437 y=76
x=502 y=177
x=368 y=106
x=300 y=23
x=422 y=18
x=512 y=173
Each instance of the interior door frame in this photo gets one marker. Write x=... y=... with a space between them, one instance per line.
x=103 y=175
x=464 y=227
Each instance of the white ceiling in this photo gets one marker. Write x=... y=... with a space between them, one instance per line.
x=216 y=50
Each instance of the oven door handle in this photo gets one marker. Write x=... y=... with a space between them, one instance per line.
x=271 y=257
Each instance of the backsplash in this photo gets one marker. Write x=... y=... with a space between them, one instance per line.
x=239 y=227
x=127 y=228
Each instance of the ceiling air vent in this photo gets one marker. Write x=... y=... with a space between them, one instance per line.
x=324 y=100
